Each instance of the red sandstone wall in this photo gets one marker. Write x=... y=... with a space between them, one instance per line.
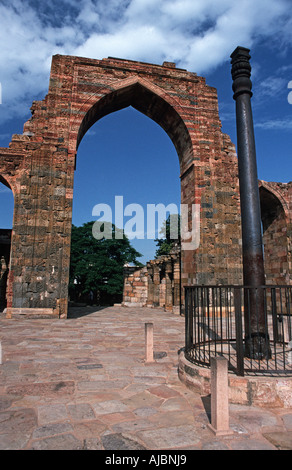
x=276 y=204
x=40 y=164
x=135 y=287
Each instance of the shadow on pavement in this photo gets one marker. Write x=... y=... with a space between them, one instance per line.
x=76 y=311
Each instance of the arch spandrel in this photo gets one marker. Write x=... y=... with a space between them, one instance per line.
x=275 y=193
x=145 y=97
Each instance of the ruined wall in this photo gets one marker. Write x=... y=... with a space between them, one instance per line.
x=135 y=287
x=276 y=209
x=158 y=284
x=39 y=167
x=5 y=246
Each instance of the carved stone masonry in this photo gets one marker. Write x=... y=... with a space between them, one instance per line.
x=39 y=167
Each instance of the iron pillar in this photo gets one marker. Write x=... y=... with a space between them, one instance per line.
x=256 y=335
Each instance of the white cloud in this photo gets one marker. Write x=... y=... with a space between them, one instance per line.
x=275 y=125
x=196 y=34
x=272 y=86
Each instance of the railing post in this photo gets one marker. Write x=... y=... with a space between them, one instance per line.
x=188 y=319
x=238 y=329
x=274 y=315
x=289 y=359
x=288 y=296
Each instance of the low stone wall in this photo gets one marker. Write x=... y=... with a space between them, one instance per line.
x=272 y=392
x=158 y=284
x=135 y=287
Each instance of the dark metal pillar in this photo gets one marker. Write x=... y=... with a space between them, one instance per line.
x=256 y=340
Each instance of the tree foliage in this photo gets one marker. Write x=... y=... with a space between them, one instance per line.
x=97 y=265
x=170 y=235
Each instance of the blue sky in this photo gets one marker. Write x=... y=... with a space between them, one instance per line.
x=126 y=153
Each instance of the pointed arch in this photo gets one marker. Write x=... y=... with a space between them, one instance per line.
x=271 y=206
x=145 y=97
x=275 y=236
x=40 y=165
x=270 y=196
x=5 y=247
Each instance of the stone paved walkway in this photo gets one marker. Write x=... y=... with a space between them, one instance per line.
x=82 y=383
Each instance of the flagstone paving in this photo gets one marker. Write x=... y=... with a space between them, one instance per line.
x=82 y=383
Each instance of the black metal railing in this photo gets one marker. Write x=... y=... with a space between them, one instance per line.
x=251 y=327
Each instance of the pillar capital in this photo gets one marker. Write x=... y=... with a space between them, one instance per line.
x=241 y=71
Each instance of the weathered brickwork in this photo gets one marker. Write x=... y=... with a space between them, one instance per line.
x=164 y=282
x=135 y=287
x=39 y=167
x=5 y=245
x=276 y=208
x=158 y=284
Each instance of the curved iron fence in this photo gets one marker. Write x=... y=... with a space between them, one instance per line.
x=249 y=326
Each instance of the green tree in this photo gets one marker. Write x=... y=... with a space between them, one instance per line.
x=97 y=265
x=170 y=235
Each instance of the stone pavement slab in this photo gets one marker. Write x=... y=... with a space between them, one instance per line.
x=282 y=440
x=82 y=384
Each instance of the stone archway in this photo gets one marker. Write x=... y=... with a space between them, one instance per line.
x=5 y=249
x=276 y=223
x=41 y=161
